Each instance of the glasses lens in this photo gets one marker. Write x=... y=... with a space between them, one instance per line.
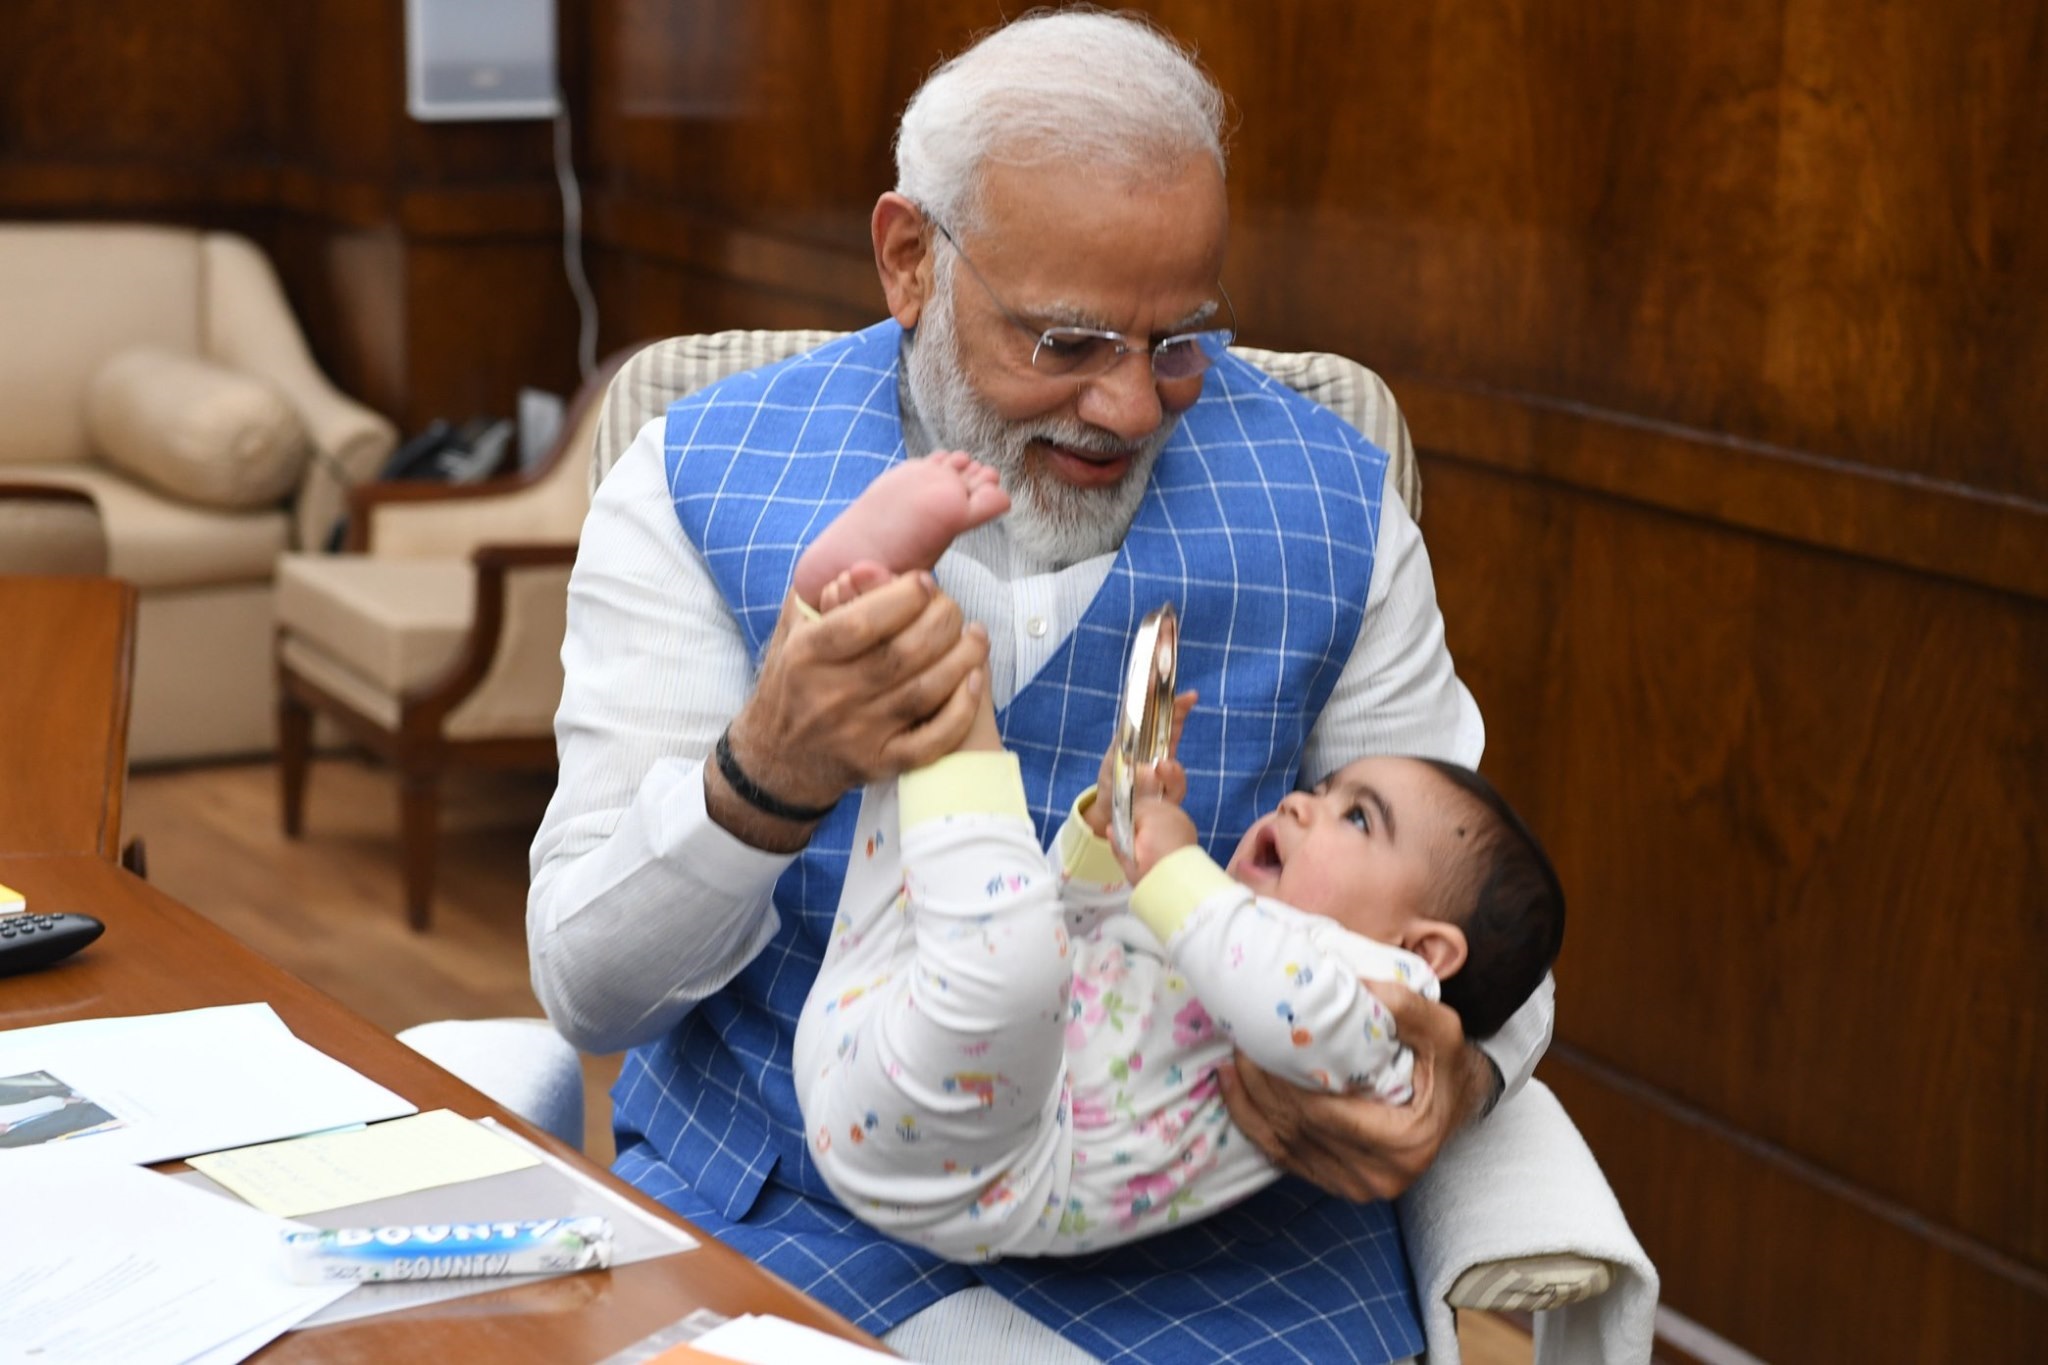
x=1072 y=350
x=1184 y=357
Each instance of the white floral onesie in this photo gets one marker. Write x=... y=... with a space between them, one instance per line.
x=1001 y=1059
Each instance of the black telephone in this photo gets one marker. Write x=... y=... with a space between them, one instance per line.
x=446 y=453
x=442 y=453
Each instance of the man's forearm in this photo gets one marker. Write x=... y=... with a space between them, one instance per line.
x=628 y=932
x=640 y=904
x=756 y=817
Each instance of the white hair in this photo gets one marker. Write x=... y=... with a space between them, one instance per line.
x=1081 y=86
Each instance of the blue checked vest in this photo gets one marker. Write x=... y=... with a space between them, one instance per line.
x=1257 y=526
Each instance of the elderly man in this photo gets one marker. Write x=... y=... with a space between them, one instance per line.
x=1051 y=260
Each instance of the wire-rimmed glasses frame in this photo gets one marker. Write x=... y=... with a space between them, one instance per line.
x=1070 y=352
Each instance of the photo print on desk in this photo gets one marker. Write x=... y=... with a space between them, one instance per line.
x=37 y=1107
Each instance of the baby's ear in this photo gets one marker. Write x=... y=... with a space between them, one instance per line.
x=1439 y=943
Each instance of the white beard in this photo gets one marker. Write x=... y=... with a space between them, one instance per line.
x=1049 y=519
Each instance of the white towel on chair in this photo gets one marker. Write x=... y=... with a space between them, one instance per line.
x=1524 y=1183
x=523 y=1064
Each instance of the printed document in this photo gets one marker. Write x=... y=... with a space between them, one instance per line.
x=162 y=1086
x=109 y=1262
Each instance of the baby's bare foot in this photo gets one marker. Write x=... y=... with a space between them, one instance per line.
x=864 y=576
x=903 y=521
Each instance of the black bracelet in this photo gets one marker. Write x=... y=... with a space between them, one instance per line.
x=745 y=788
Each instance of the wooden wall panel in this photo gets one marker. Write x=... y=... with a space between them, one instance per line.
x=643 y=298
x=123 y=110
x=125 y=79
x=347 y=286
x=288 y=123
x=1764 y=219
x=1720 y=328
x=774 y=112
x=1825 y=870
x=469 y=350
x=1786 y=1260
x=347 y=65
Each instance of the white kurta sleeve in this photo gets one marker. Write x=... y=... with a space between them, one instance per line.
x=641 y=905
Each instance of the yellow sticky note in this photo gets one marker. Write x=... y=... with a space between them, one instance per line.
x=11 y=901
x=332 y=1170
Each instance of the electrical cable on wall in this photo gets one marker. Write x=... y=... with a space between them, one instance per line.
x=572 y=241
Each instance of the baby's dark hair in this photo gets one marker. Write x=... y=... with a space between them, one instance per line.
x=1510 y=905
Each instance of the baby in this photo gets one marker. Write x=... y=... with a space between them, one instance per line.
x=1005 y=1055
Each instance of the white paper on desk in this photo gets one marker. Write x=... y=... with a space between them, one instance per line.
x=240 y=1348
x=157 y=1087
x=104 y=1261
x=550 y=1188
x=761 y=1339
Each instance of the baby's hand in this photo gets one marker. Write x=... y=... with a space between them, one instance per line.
x=1158 y=824
x=1097 y=814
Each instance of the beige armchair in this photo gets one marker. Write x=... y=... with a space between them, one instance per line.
x=45 y=529
x=159 y=373
x=436 y=639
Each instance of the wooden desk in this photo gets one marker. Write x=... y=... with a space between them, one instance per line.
x=158 y=956
x=67 y=649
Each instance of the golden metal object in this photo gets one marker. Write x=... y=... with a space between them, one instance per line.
x=1144 y=727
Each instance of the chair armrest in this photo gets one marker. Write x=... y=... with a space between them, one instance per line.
x=444 y=521
x=1530 y=1284
x=249 y=326
x=1517 y=1215
x=350 y=445
x=545 y=504
x=523 y=1064
x=508 y=680
x=495 y=561
x=50 y=529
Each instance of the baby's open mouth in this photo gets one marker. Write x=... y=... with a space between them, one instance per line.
x=1264 y=853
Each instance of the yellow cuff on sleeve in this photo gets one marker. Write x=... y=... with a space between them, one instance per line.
x=978 y=782
x=1177 y=883
x=1085 y=858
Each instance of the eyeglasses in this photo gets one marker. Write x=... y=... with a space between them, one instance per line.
x=1085 y=352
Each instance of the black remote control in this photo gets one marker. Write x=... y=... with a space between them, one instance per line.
x=31 y=941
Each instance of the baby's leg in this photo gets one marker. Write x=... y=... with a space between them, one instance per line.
x=929 y=1058
x=904 y=520
x=1153 y=1148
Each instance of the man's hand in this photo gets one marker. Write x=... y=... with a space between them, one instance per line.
x=1353 y=1145
x=884 y=683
